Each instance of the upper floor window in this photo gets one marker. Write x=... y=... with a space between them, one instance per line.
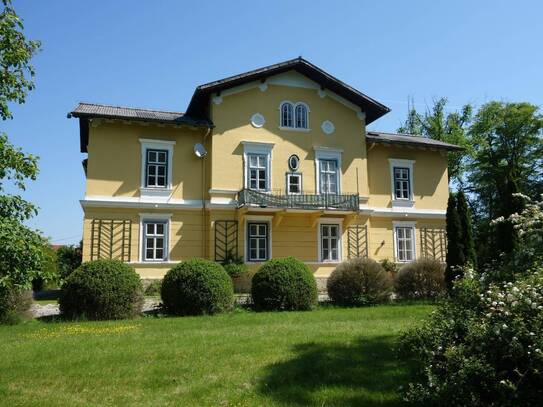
x=301 y=116
x=287 y=115
x=156 y=169
x=257 y=159
x=401 y=183
x=257 y=171
x=401 y=177
x=328 y=170
x=294 y=116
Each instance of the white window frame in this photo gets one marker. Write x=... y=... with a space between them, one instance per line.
x=401 y=163
x=257 y=219
x=297 y=175
x=408 y=225
x=158 y=218
x=323 y=153
x=293 y=127
x=330 y=221
x=152 y=144
x=306 y=116
x=253 y=147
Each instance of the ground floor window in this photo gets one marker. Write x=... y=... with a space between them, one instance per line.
x=155 y=245
x=329 y=242
x=405 y=243
x=258 y=241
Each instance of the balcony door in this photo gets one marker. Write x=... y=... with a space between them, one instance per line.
x=328 y=177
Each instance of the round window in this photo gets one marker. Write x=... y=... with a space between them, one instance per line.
x=294 y=162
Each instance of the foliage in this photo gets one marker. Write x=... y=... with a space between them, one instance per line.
x=14 y=304
x=234 y=265
x=423 y=278
x=196 y=287
x=20 y=247
x=68 y=259
x=153 y=289
x=464 y=214
x=359 y=281
x=508 y=158
x=48 y=270
x=284 y=284
x=481 y=347
x=102 y=289
x=389 y=266
x=16 y=72
x=436 y=124
x=455 y=243
x=528 y=257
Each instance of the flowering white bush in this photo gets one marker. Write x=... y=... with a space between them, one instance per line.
x=481 y=348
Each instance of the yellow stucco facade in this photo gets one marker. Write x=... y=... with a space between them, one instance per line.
x=200 y=201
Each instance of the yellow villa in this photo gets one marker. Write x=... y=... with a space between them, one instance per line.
x=274 y=162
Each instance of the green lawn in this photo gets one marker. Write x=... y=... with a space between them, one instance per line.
x=327 y=357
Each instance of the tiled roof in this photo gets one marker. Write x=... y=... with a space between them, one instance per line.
x=408 y=139
x=90 y=110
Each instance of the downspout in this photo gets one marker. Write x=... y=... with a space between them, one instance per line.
x=204 y=223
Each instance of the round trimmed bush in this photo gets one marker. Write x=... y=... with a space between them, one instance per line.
x=423 y=278
x=14 y=304
x=102 y=289
x=196 y=287
x=284 y=284
x=359 y=281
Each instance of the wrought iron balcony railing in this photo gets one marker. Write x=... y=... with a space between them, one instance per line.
x=278 y=199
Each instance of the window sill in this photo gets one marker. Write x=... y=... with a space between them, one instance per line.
x=146 y=192
x=403 y=203
x=298 y=129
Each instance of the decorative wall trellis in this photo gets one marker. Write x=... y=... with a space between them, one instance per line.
x=110 y=239
x=226 y=238
x=433 y=244
x=357 y=239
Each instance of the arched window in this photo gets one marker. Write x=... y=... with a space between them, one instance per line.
x=287 y=115
x=301 y=116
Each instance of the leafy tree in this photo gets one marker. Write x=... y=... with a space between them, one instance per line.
x=464 y=215
x=437 y=124
x=507 y=159
x=455 y=243
x=68 y=259
x=21 y=256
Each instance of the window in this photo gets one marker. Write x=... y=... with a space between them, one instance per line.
x=294 y=183
x=401 y=183
x=301 y=116
x=257 y=238
x=328 y=176
x=258 y=171
x=294 y=162
x=155 y=243
x=156 y=169
x=405 y=243
x=329 y=242
x=294 y=115
x=287 y=114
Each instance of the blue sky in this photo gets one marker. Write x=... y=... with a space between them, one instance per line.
x=153 y=54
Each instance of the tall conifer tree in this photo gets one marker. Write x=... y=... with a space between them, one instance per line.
x=467 y=231
x=455 y=246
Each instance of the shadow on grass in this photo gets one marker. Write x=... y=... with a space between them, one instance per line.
x=364 y=373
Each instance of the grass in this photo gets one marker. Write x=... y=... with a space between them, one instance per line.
x=327 y=357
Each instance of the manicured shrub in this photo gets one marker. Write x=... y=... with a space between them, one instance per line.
x=196 y=287
x=389 y=266
x=234 y=265
x=284 y=284
x=359 y=281
x=483 y=346
x=423 y=278
x=14 y=304
x=102 y=289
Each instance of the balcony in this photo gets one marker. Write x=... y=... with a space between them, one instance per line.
x=278 y=199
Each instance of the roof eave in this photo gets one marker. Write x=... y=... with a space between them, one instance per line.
x=449 y=147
